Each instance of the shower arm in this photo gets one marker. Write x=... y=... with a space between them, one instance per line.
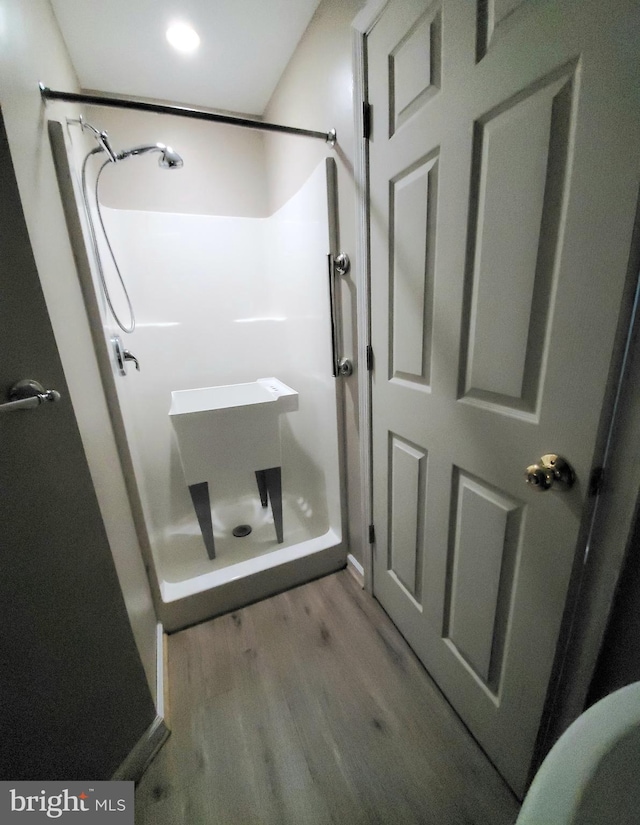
x=183 y=111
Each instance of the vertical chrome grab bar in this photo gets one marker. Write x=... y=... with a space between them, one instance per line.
x=332 y=310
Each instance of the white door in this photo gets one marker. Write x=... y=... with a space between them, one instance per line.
x=504 y=161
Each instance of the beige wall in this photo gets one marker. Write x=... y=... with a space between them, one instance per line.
x=31 y=49
x=315 y=92
x=223 y=172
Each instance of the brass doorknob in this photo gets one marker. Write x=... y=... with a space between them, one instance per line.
x=552 y=470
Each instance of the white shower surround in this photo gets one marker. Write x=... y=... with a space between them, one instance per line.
x=223 y=300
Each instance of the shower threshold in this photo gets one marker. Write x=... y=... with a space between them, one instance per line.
x=218 y=591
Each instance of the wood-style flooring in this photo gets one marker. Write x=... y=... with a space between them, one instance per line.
x=309 y=707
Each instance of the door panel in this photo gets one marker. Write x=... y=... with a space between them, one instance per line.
x=75 y=700
x=519 y=173
x=414 y=68
x=484 y=535
x=412 y=244
x=494 y=16
x=503 y=183
x=408 y=473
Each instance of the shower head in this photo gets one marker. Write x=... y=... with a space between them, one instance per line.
x=168 y=158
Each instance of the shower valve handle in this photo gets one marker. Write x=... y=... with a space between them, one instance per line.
x=123 y=355
x=129 y=356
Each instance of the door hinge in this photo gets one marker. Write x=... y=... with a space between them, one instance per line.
x=372 y=534
x=596 y=481
x=366 y=121
x=369 y=353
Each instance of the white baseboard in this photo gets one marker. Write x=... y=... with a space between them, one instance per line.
x=356 y=568
x=157 y=733
x=143 y=752
x=160 y=675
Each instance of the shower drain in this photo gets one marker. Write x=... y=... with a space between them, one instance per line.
x=241 y=531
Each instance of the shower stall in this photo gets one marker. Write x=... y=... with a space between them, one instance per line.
x=215 y=305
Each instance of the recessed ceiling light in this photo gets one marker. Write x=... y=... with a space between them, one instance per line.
x=183 y=37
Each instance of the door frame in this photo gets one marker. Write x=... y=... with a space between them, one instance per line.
x=608 y=524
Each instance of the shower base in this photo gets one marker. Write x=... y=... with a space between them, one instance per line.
x=194 y=588
x=183 y=556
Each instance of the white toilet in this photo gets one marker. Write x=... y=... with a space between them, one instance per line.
x=591 y=776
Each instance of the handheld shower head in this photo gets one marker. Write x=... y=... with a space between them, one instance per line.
x=169 y=159
x=103 y=142
x=101 y=136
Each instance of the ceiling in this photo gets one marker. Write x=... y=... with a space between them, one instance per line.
x=119 y=46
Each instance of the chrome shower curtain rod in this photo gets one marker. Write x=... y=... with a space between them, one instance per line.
x=183 y=111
